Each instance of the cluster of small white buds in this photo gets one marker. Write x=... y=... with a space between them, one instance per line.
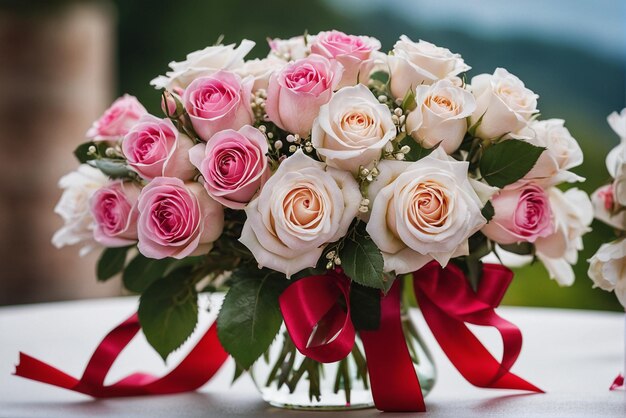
x=92 y=150
x=364 y=207
x=367 y=175
x=391 y=153
x=258 y=103
x=333 y=260
x=399 y=119
x=112 y=152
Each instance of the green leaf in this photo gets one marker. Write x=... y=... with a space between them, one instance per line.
x=113 y=168
x=362 y=261
x=142 y=271
x=82 y=152
x=111 y=262
x=417 y=151
x=380 y=76
x=250 y=316
x=522 y=248
x=408 y=102
x=168 y=312
x=364 y=307
x=508 y=161
x=488 y=211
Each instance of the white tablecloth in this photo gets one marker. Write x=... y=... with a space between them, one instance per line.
x=572 y=355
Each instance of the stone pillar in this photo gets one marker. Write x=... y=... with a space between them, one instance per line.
x=56 y=77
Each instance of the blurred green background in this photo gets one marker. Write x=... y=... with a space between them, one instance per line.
x=572 y=53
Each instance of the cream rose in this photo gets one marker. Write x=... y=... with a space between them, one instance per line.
x=603 y=201
x=572 y=213
x=607 y=269
x=416 y=63
x=260 y=70
x=422 y=211
x=300 y=209
x=352 y=129
x=291 y=49
x=203 y=63
x=617 y=121
x=616 y=165
x=78 y=188
x=503 y=102
x=562 y=153
x=440 y=115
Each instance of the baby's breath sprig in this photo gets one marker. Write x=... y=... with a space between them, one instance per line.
x=393 y=151
x=257 y=103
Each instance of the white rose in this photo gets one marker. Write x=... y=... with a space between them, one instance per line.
x=440 y=115
x=202 y=63
x=291 y=49
x=616 y=165
x=603 y=200
x=607 y=269
x=562 y=152
x=617 y=121
x=422 y=211
x=416 y=63
x=78 y=187
x=302 y=207
x=572 y=214
x=352 y=129
x=503 y=102
x=260 y=70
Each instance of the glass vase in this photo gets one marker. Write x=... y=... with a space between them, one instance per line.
x=287 y=379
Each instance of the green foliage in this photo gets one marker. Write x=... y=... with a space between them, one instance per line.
x=408 y=102
x=142 y=271
x=362 y=261
x=508 y=161
x=116 y=169
x=250 y=316
x=168 y=311
x=381 y=77
x=82 y=153
x=417 y=151
x=111 y=262
x=488 y=211
x=364 y=307
x=522 y=248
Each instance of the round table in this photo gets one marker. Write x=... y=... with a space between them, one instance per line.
x=573 y=355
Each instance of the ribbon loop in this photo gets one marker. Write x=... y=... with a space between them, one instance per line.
x=319 y=326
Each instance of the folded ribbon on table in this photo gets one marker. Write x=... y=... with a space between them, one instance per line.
x=197 y=368
x=316 y=310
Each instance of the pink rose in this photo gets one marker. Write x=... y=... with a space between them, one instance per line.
x=233 y=165
x=155 y=148
x=114 y=210
x=117 y=119
x=349 y=50
x=177 y=219
x=522 y=214
x=296 y=93
x=217 y=102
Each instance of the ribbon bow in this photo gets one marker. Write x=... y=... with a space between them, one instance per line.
x=447 y=302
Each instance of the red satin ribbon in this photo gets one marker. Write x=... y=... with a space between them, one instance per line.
x=197 y=368
x=316 y=310
x=395 y=386
x=448 y=302
x=618 y=383
x=318 y=326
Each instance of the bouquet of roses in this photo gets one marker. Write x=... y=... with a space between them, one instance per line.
x=325 y=185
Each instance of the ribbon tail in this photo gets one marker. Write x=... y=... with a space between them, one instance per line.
x=197 y=368
x=468 y=354
x=395 y=386
x=33 y=369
